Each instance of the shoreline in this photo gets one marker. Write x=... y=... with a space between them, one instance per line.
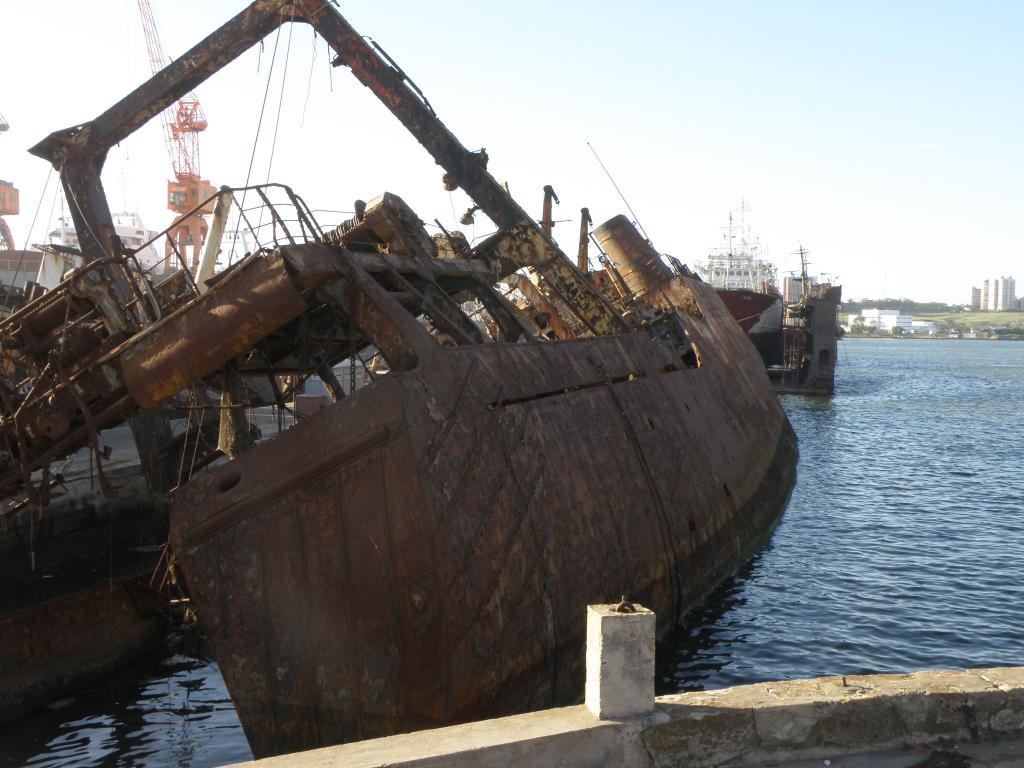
x=886 y=337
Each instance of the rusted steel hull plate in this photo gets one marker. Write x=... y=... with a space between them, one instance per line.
x=421 y=552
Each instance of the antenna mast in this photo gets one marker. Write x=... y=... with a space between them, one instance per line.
x=803 y=268
x=622 y=196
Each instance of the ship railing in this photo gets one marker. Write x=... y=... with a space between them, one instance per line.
x=277 y=217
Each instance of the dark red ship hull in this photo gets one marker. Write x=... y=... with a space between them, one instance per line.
x=760 y=315
x=755 y=311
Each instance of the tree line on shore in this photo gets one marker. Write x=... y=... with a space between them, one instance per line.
x=905 y=306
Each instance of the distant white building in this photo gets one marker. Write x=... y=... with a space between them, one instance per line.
x=923 y=327
x=975 y=299
x=1005 y=294
x=793 y=287
x=998 y=294
x=887 y=319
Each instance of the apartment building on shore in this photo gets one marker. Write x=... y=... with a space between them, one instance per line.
x=998 y=294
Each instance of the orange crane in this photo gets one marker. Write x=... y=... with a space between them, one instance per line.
x=183 y=122
x=8 y=204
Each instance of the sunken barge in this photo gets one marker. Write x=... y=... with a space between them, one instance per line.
x=418 y=552
x=809 y=342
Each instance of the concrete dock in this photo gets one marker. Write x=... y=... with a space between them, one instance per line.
x=931 y=719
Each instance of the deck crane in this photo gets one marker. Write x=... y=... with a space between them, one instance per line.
x=183 y=122
x=8 y=204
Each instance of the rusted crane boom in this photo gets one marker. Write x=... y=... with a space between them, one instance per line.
x=182 y=125
x=79 y=152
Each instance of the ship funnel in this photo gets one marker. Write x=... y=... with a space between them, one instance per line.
x=639 y=264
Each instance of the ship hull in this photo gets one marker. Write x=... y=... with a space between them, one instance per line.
x=760 y=315
x=52 y=649
x=422 y=552
x=76 y=600
x=755 y=311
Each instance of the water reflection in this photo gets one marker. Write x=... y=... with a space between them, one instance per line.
x=699 y=649
x=175 y=713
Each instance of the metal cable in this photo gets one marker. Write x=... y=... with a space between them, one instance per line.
x=309 y=84
x=280 y=99
x=280 y=103
x=255 y=144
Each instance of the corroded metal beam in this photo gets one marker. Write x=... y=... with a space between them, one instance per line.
x=527 y=246
x=79 y=152
x=467 y=169
x=545 y=314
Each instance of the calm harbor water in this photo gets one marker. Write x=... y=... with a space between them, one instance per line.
x=903 y=545
x=902 y=548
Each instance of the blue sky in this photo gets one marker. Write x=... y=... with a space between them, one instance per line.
x=883 y=136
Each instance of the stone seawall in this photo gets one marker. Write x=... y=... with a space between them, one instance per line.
x=777 y=723
x=931 y=719
x=829 y=717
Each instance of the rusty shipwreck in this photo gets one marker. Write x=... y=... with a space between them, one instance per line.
x=809 y=346
x=420 y=551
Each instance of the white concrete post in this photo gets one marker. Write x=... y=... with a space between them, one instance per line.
x=213 y=240
x=620 y=661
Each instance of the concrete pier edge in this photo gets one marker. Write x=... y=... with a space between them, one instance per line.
x=775 y=723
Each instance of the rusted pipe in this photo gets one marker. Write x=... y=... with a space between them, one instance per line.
x=546 y=222
x=639 y=264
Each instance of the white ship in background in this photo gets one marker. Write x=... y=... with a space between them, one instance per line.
x=738 y=265
x=747 y=283
x=61 y=250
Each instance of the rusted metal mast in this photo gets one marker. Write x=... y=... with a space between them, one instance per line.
x=582 y=255
x=546 y=222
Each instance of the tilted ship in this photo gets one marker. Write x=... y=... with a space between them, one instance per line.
x=421 y=551
x=795 y=331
